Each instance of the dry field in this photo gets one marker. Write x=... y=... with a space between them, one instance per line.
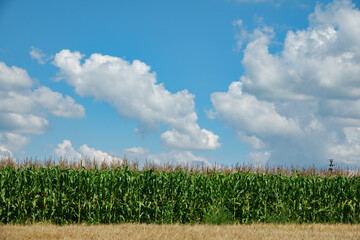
x=144 y=231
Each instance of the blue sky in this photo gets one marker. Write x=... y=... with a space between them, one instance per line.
x=216 y=81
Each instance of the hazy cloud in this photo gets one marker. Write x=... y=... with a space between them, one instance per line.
x=253 y=1
x=175 y=157
x=259 y=158
x=136 y=152
x=38 y=55
x=348 y=151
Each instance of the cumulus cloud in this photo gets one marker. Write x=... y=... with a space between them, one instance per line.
x=140 y=154
x=320 y=61
x=39 y=100
x=299 y=105
x=23 y=110
x=57 y=104
x=180 y=157
x=11 y=142
x=241 y=110
x=22 y=123
x=66 y=150
x=13 y=78
x=132 y=89
x=38 y=55
x=92 y=153
x=174 y=157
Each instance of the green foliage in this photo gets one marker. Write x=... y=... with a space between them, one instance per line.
x=121 y=195
x=218 y=215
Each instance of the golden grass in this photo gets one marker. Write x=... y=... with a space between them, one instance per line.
x=144 y=231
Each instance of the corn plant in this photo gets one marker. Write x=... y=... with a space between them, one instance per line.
x=63 y=195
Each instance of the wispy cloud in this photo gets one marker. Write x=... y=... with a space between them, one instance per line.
x=299 y=4
x=253 y=1
x=38 y=55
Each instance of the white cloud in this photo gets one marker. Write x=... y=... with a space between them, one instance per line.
x=40 y=100
x=56 y=104
x=253 y=141
x=99 y=156
x=132 y=89
x=4 y=152
x=11 y=142
x=300 y=105
x=136 y=152
x=259 y=158
x=66 y=150
x=191 y=137
x=23 y=110
x=142 y=155
x=174 y=157
x=320 y=61
x=22 y=123
x=179 y=157
x=348 y=150
x=254 y=1
x=243 y=111
x=38 y=55
x=241 y=36
x=13 y=78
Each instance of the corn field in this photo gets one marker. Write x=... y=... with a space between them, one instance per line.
x=122 y=194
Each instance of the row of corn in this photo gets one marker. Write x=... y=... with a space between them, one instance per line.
x=123 y=195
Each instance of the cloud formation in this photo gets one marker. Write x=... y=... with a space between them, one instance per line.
x=174 y=157
x=300 y=104
x=132 y=89
x=142 y=155
x=38 y=55
x=66 y=150
x=11 y=142
x=23 y=109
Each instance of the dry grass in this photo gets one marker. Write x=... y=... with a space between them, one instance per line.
x=116 y=163
x=143 y=231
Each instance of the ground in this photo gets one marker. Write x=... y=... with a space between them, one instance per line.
x=198 y=231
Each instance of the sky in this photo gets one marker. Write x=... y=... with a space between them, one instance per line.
x=226 y=82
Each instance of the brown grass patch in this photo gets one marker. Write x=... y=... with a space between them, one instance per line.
x=144 y=231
